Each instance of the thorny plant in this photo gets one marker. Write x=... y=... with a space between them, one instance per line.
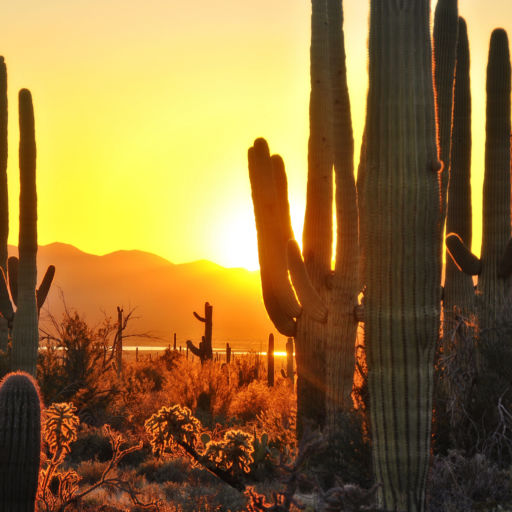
x=228 y=459
x=59 y=488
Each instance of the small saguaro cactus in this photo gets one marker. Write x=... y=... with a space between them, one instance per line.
x=270 y=360
x=495 y=263
x=20 y=442
x=205 y=350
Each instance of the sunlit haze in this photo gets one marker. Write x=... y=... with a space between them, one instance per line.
x=145 y=110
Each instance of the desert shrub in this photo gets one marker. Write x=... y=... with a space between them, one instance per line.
x=257 y=397
x=346 y=455
x=204 y=498
x=76 y=366
x=278 y=418
x=160 y=471
x=90 y=471
x=473 y=395
x=212 y=381
x=91 y=444
x=458 y=484
x=249 y=367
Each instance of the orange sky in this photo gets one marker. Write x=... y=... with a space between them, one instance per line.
x=145 y=110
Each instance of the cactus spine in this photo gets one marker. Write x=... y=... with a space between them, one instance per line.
x=20 y=442
x=324 y=343
x=205 y=350
x=401 y=220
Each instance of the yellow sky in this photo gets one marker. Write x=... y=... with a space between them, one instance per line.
x=145 y=110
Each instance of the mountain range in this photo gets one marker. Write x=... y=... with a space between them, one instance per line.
x=164 y=296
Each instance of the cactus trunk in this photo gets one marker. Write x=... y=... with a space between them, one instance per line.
x=403 y=268
x=496 y=193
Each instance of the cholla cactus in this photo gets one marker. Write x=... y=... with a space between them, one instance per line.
x=233 y=453
x=170 y=425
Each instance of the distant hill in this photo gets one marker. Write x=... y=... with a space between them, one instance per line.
x=164 y=295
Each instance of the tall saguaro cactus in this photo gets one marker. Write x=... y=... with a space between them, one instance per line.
x=458 y=286
x=324 y=342
x=25 y=332
x=494 y=265
x=401 y=220
x=20 y=273
x=20 y=442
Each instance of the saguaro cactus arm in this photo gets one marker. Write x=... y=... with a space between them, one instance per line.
x=44 y=287
x=268 y=183
x=308 y=296
x=465 y=260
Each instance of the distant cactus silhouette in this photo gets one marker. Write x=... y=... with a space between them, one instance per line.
x=204 y=351
x=22 y=273
x=270 y=360
x=119 y=342
x=20 y=442
x=289 y=373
